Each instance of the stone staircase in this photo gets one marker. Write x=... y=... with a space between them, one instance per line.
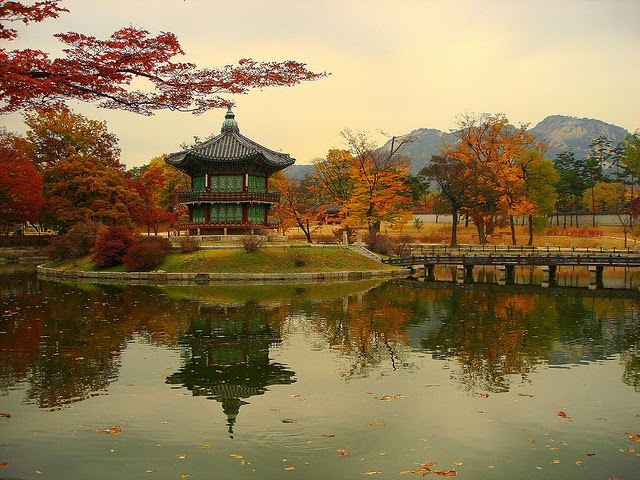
x=363 y=251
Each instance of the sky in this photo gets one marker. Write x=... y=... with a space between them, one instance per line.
x=394 y=66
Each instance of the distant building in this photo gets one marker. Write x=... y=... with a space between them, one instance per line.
x=229 y=182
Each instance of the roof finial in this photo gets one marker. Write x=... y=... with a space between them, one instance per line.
x=230 y=124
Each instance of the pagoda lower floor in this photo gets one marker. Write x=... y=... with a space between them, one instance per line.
x=226 y=219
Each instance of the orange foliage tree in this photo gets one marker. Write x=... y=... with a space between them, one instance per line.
x=298 y=206
x=20 y=184
x=380 y=192
x=104 y=71
x=83 y=176
x=157 y=184
x=489 y=147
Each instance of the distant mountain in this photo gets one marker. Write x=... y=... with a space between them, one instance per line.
x=559 y=132
x=562 y=133
x=422 y=144
x=298 y=171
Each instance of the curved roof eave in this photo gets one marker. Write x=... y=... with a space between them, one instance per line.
x=231 y=147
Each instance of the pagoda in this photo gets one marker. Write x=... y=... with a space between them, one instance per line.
x=229 y=182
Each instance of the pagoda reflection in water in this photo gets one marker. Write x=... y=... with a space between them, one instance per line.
x=228 y=357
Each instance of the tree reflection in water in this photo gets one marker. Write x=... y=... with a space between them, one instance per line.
x=63 y=342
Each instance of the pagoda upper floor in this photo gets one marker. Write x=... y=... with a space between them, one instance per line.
x=229 y=153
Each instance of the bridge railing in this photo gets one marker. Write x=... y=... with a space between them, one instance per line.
x=423 y=249
x=530 y=259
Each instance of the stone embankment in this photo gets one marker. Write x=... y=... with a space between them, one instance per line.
x=27 y=255
x=160 y=276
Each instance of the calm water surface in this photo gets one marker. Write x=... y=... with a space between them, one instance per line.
x=342 y=381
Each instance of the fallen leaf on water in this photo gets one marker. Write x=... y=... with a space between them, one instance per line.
x=633 y=436
x=528 y=395
x=366 y=393
x=5 y=415
x=114 y=430
x=563 y=414
x=371 y=473
x=590 y=454
x=342 y=452
x=578 y=462
x=184 y=475
x=377 y=424
x=417 y=472
x=481 y=394
x=628 y=450
x=329 y=435
x=165 y=422
x=425 y=469
x=181 y=455
x=151 y=471
x=446 y=473
x=387 y=397
x=236 y=455
x=290 y=468
x=206 y=445
x=532 y=441
x=5 y=464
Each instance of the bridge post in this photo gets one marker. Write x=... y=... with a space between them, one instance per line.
x=549 y=275
x=428 y=272
x=465 y=273
x=506 y=274
x=595 y=276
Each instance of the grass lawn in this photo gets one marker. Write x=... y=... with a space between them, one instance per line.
x=271 y=260
x=266 y=260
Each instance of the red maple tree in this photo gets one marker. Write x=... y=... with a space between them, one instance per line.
x=103 y=71
x=20 y=184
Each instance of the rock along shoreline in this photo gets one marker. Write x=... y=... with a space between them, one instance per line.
x=160 y=276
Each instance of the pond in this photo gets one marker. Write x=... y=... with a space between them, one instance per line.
x=395 y=379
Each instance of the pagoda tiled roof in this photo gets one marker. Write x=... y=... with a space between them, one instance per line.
x=230 y=146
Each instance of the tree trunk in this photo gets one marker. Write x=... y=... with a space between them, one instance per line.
x=307 y=233
x=489 y=226
x=530 y=241
x=454 y=227
x=305 y=229
x=593 y=207
x=512 y=228
x=374 y=229
x=482 y=237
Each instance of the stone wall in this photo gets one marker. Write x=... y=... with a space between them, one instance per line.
x=29 y=255
x=162 y=277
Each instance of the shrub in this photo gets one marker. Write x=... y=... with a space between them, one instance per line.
x=253 y=243
x=111 y=247
x=299 y=256
x=146 y=253
x=76 y=242
x=381 y=244
x=189 y=244
x=402 y=249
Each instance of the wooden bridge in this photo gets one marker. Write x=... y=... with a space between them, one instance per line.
x=506 y=262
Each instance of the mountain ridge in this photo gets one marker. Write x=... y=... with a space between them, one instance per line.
x=559 y=132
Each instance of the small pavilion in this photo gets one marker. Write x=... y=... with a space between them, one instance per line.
x=229 y=183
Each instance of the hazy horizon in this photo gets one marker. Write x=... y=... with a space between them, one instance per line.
x=395 y=66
